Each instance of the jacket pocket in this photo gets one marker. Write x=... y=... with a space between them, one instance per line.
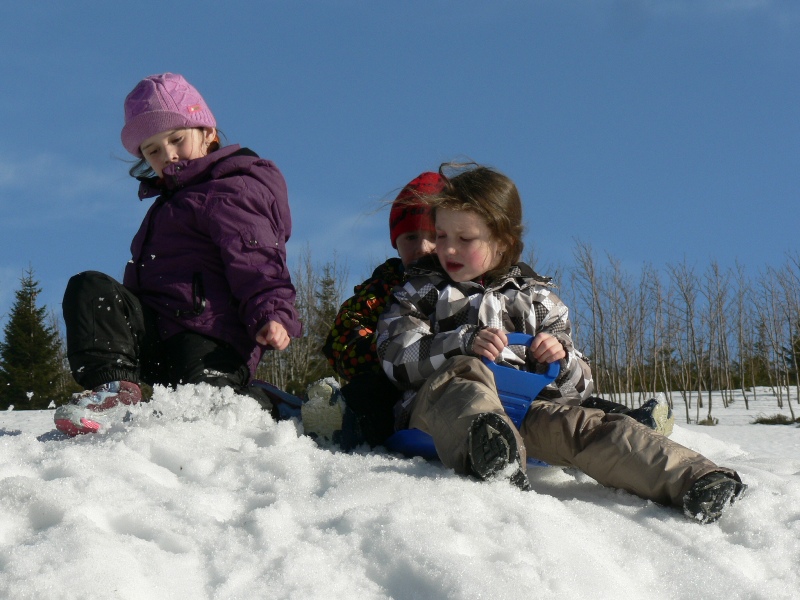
x=255 y=238
x=259 y=246
x=198 y=298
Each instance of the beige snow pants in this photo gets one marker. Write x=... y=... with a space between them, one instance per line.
x=613 y=449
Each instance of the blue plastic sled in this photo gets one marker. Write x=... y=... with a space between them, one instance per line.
x=517 y=389
x=284 y=404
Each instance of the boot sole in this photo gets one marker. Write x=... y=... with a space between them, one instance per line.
x=660 y=418
x=69 y=428
x=321 y=419
x=77 y=420
x=721 y=494
x=664 y=419
x=492 y=447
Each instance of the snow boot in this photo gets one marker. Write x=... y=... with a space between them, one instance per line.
x=710 y=495
x=89 y=411
x=323 y=409
x=327 y=419
x=492 y=448
x=656 y=414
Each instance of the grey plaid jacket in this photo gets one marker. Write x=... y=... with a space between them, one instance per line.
x=431 y=318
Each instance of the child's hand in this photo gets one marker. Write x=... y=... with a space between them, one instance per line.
x=273 y=334
x=547 y=349
x=489 y=342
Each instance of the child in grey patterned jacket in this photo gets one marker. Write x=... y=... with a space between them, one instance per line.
x=456 y=307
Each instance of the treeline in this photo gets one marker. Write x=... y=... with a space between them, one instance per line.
x=681 y=328
x=686 y=328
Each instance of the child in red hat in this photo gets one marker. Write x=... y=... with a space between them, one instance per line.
x=350 y=346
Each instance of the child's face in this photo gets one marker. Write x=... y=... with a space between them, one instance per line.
x=172 y=146
x=464 y=245
x=412 y=245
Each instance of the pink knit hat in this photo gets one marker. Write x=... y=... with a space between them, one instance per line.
x=160 y=103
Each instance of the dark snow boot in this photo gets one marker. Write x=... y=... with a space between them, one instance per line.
x=710 y=495
x=492 y=447
x=655 y=414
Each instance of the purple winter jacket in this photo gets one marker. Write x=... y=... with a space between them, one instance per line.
x=210 y=255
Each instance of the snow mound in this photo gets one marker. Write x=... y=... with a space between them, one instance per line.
x=200 y=494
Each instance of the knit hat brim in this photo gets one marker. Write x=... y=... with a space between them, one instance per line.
x=409 y=217
x=409 y=211
x=148 y=124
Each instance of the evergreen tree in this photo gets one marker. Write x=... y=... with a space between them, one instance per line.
x=31 y=371
x=318 y=300
x=327 y=299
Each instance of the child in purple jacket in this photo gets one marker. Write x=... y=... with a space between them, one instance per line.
x=207 y=289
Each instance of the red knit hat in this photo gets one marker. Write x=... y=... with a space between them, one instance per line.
x=409 y=213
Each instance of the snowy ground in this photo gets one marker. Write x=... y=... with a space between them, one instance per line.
x=212 y=499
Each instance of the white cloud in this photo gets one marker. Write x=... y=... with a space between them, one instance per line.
x=8 y=174
x=58 y=173
x=780 y=10
x=47 y=188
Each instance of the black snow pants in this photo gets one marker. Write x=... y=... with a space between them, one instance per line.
x=112 y=336
x=372 y=397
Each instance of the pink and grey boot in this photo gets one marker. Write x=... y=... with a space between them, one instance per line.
x=88 y=411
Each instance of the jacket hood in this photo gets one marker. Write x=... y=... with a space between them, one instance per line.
x=390 y=270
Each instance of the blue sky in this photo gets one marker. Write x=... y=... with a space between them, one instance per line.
x=655 y=131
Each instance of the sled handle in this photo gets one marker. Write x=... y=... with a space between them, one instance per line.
x=526 y=339
x=517 y=389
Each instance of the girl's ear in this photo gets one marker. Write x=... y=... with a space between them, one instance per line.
x=209 y=133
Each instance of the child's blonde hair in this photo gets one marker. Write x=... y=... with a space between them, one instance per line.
x=493 y=197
